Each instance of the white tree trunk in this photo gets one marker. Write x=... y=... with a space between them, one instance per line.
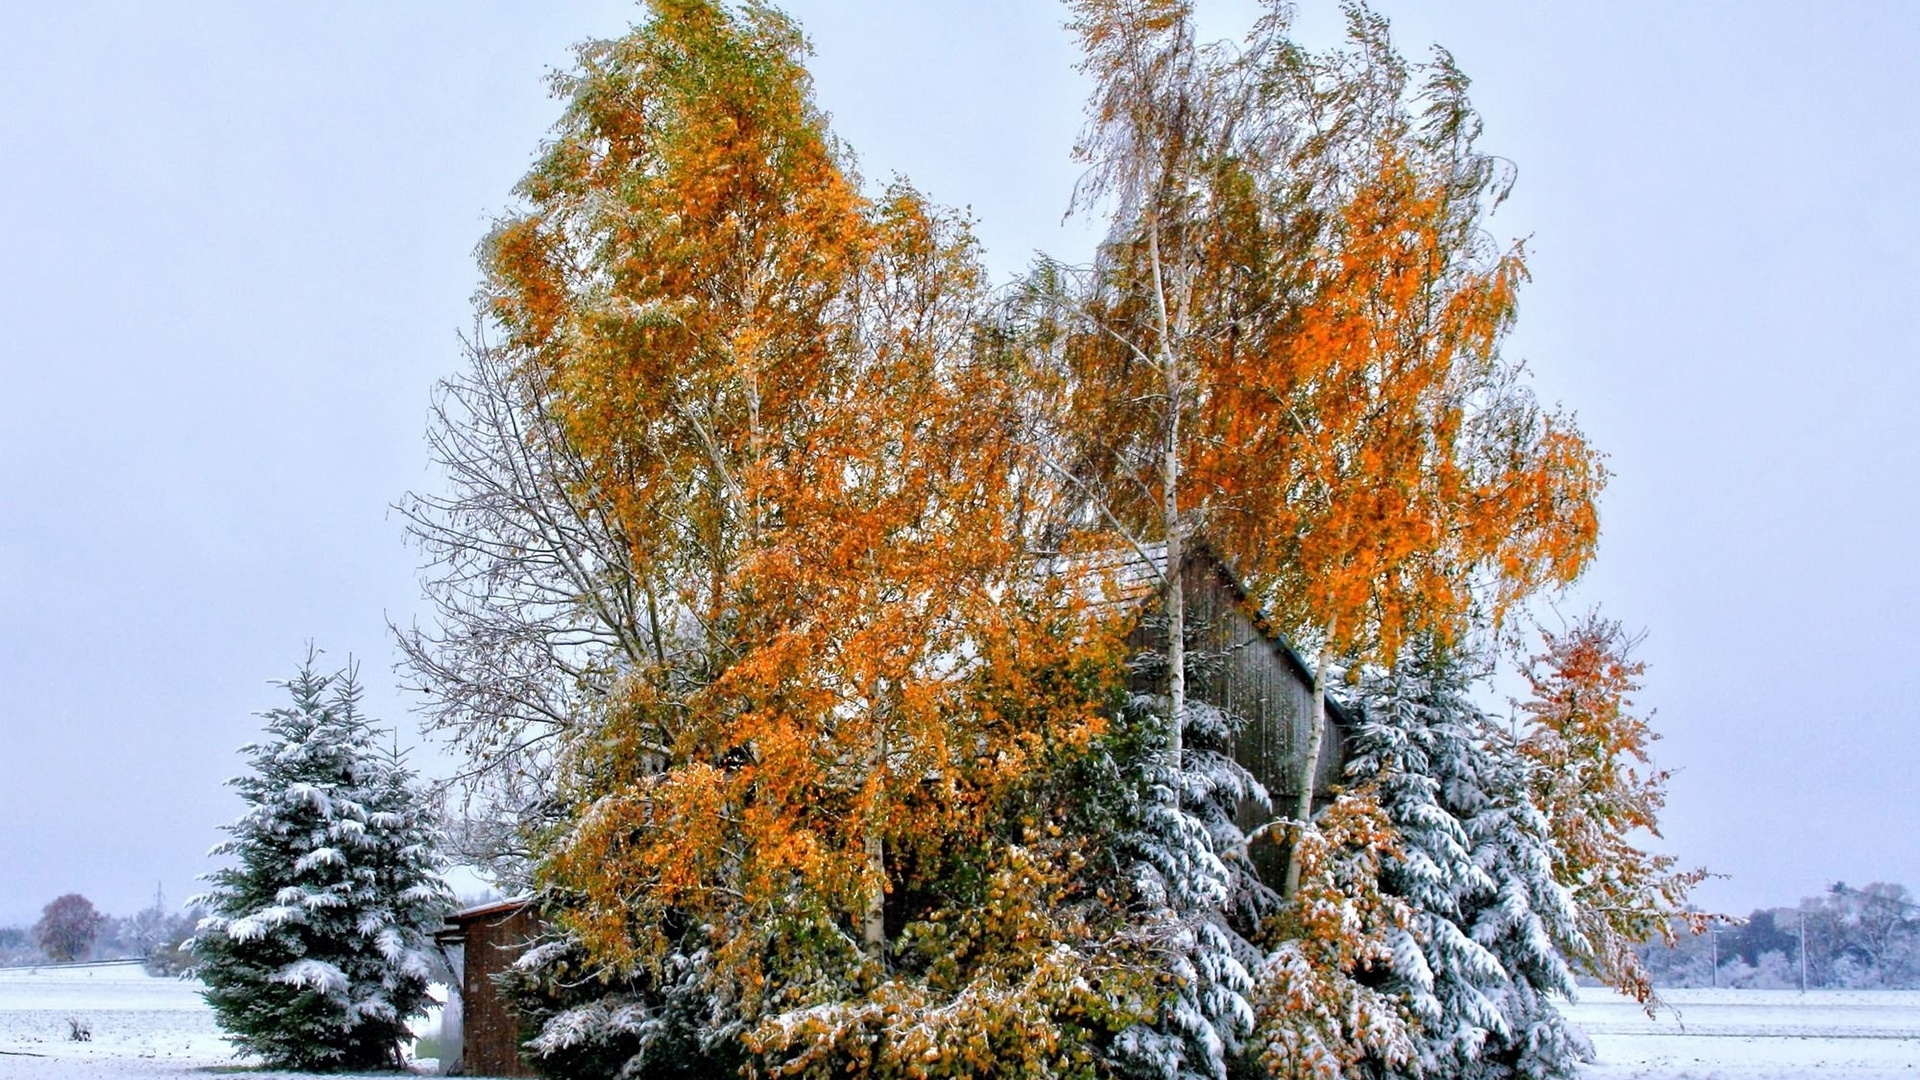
x=1176 y=620
x=873 y=927
x=1171 y=524
x=1310 y=765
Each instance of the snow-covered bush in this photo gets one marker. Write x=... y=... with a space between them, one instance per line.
x=316 y=949
x=585 y=1022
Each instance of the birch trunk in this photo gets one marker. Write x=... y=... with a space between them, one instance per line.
x=873 y=925
x=1176 y=620
x=1310 y=765
x=1170 y=510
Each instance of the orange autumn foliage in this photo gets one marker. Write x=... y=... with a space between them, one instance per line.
x=1299 y=306
x=866 y=519
x=1320 y=1013
x=1600 y=793
x=774 y=384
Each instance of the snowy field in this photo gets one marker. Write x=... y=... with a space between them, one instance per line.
x=141 y=1025
x=148 y=1029
x=143 y=1028
x=1755 y=1035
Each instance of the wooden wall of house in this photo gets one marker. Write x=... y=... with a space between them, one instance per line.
x=1235 y=665
x=491 y=1035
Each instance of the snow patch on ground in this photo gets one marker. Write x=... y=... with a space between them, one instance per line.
x=1755 y=1035
x=139 y=1023
x=144 y=1028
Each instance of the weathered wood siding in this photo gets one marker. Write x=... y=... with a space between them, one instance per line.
x=491 y=1039
x=1238 y=666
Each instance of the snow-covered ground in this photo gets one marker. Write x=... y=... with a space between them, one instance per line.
x=159 y=1029
x=141 y=1025
x=143 y=1028
x=1756 y=1035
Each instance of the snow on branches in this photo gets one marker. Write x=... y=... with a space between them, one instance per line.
x=316 y=948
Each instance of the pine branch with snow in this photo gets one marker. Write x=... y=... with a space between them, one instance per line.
x=1195 y=890
x=1485 y=957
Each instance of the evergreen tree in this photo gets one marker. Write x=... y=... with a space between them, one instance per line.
x=1475 y=862
x=1195 y=889
x=316 y=953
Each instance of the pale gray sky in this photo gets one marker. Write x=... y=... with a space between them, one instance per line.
x=237 y=249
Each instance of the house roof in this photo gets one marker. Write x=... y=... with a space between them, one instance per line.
x=491 y=907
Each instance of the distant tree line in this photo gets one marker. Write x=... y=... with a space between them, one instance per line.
x=1864 y=938
x=71 y=929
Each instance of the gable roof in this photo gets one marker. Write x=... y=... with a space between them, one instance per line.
x=1282 y=647
x=1137 y=574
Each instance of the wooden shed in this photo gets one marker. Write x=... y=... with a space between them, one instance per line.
x=477 y=1027
x=1248 y=669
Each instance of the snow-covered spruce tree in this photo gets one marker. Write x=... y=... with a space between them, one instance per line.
x=1192 y=883
x=1474 y=862
x=315 y=952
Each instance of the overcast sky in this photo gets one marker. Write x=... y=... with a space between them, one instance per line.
x=236 y=248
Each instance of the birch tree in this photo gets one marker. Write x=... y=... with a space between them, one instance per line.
x=1289 y=342
x=838 y=668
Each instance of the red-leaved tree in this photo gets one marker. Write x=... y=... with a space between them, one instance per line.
x=68 y=927
x=1601 y=793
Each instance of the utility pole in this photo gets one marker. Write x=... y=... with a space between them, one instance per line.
x=1803 y=950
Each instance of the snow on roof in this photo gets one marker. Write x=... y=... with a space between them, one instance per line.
x=491 y=907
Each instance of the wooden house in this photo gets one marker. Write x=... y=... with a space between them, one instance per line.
x=1240 y=664
x=480 y=1033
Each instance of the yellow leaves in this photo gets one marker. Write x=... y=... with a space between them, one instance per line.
x=1012 y=991
x=1317 y=1013
x=1589 y=750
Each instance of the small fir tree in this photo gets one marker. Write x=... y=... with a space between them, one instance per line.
x=316 y=953
x=1474 y=861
